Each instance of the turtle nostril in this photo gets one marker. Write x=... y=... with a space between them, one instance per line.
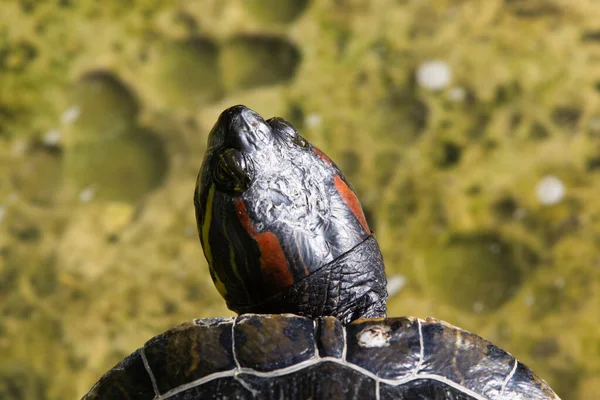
x=251 y=117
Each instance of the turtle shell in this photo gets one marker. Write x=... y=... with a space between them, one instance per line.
x=293 y=357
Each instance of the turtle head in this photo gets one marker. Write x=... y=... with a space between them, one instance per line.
x=272 y=210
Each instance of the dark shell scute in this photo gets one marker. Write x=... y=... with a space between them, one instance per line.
x=129 y=379
x=394 y=350
x=223 y=388
x=189 y=352
x=422 y=389
x=464 y=358
x=341 y=383
x=526 y=384
x=288 y=356
x=271 y=342
x=330 y=337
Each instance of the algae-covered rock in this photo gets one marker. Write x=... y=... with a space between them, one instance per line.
x=122 y=168
x=105 y=107
x=186 y=73
x=277 y=11
x=255 y=60
x=477 y=272
x=21 y=382
x=37 y=176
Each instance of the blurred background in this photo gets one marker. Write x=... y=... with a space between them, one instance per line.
x=470 y=130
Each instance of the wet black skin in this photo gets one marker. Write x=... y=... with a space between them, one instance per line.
x=332 y=264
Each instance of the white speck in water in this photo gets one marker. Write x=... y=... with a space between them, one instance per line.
x=70 y=115
x=457 y=93
x=478 y=306
x=395 y=283
x=519 y=213
x=52 y=138
x=434 y=75
x=313 y=120
x=559 y=282
x=529 y=300
x=87 y=194
x=550 y=190
x=374 y=336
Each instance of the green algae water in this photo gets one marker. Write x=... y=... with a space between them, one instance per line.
x=448 y=117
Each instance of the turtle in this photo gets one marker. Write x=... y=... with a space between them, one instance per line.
x=290 y=250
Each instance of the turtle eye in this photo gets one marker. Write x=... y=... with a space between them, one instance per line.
x=233 y=171
x=300 y=141
x=286 y=130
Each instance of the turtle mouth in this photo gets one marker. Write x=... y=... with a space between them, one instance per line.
x=244 y=129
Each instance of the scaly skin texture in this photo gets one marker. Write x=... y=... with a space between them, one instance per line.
x=351 y=287
x=281 y=227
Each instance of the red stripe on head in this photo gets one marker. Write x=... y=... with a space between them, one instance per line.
x=273 y=263
x=322 y=156
x=351 y=201
x=244 y=218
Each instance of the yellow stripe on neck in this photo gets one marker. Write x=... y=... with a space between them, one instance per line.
x=206 y=223
x=206 y=243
